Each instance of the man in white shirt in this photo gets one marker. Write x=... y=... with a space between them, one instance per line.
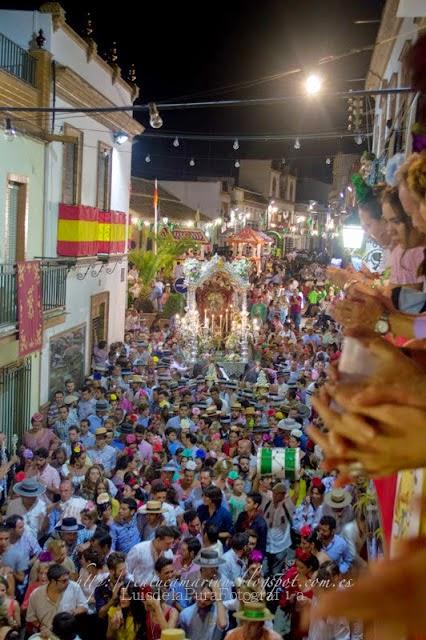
x=234 y=566
x=59 y=594
x=29 y=505
x=70 y=506
x=278 y=513
x=282 y=386
x=143 y=556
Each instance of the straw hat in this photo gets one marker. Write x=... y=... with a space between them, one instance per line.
x=173 y=634
x=211 y=412
x=152 y=506
x=338 y=498
x=254 y=612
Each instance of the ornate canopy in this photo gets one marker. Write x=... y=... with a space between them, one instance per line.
x=197 y=272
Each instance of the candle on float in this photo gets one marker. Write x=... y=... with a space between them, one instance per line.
x=220 y=324
x=212 y=323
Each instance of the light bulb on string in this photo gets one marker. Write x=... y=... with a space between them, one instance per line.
x=148 y=158
x=297 y=143
x=283 y=161
x=237 y=164
x=358 y=138
x=236 y=145
x=176 y=142
x=328 y=161
x=155 y=120
x=192 y=162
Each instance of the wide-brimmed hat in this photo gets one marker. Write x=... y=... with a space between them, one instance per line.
x=260 y=428
x=126 y=428
x=236 y=405
x=101 y=431
x=208 y=558
x=211 y=412
x=102 y=405
x=29 y=488
x=37 y=417
x=303 y=410
x=338 y=498
x=70 y=399
x=296 y=433
x=137 y=378
x=169 y=467
x=250 y=411
x=152 y=506
x=69 y=525
x=254 y=612
x=288 y=424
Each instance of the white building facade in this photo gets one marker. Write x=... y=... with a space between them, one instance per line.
x=86 y=193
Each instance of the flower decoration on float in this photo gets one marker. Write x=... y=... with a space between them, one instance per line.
x=192 y=270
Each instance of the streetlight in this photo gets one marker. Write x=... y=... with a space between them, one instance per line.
x=313 y=84
x=353 y=233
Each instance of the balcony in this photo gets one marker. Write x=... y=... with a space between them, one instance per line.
x=53 y=290
x=7 y=296
x=17 y=61
x=53 y=285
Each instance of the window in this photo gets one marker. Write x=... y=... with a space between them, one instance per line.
x=72 y=161
x=16 y=216
x=15 y=396
x=103 y=199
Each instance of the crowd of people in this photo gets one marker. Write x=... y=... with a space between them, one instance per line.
x=137 y=504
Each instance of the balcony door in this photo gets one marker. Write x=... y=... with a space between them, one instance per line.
x=99 y=311
x=16 y=219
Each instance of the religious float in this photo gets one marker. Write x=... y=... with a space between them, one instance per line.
x=216 y=315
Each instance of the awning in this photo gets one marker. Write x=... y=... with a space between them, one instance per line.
x=250 y=236
x=196 y=235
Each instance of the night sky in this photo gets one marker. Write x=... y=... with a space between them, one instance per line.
x=192 y=50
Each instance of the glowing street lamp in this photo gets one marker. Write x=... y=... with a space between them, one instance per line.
x=313 y=84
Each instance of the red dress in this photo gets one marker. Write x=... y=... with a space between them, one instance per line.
x=291 y=587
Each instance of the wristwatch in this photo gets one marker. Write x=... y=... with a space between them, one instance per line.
x=382 y=325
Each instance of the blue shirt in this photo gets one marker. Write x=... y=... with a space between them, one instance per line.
x=86 y=408
x=107 y=457
x=174 y=446
x=95 y=422
x=118 y=444
x=88 y=440
x=144 y=421
x=200 y=625
x=61 y=428
x=338 y=550
x=175 y=423
x=221 y=518
x=232 y=569
x=124 y=535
